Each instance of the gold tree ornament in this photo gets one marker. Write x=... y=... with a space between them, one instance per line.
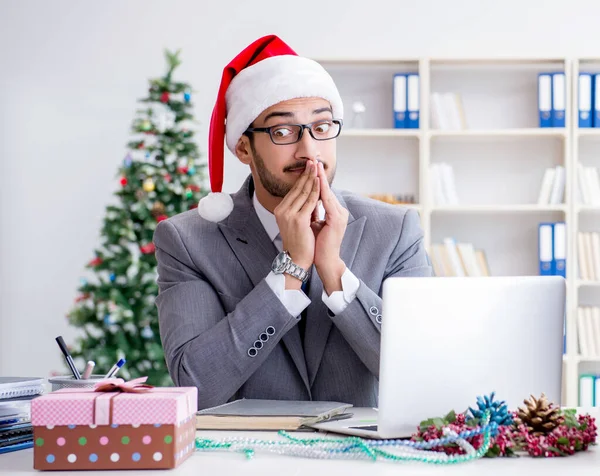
x=539 y=415
x=158 y=208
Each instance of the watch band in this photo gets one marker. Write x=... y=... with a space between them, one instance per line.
x=296 y=271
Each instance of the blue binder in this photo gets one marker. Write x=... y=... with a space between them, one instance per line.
x=584 y=100
x=412 y=101
x=545 y=99
x=596 y=100
x=559 y=249
x=546 y=249
x=559 y=99
x=399 y=99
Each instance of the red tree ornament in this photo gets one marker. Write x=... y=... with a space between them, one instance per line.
x=148 y=248
x=160 y=218
x=95 y=262
x=164 y=97
x=123 y=181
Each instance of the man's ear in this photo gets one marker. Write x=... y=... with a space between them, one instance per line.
x=243 y=150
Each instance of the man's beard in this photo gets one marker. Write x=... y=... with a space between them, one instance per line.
x=270 y=182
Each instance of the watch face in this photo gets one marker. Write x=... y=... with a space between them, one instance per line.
x=280 y=262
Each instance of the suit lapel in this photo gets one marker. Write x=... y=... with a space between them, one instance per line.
x=318 y=323
x=255 y=251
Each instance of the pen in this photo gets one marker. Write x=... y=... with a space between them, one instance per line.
x=87 y=373
x=65 y=351
x=115 y=368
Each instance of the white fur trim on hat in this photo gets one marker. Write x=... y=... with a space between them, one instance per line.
x=215 y=206
x=271 y=81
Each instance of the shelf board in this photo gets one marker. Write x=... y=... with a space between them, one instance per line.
x=588 y=208
x=588 y=284
x=380 y=133
x=580 y=358
x=588 y=132
x=499 y=208
x=518 y=132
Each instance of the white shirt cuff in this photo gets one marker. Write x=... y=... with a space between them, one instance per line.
x=295 y=301
x=339 y=300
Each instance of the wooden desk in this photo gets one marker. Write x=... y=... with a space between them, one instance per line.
x=20 y=463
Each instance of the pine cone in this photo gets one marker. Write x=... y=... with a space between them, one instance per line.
x=539 y=416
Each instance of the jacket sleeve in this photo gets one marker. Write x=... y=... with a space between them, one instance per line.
x=360 y=322
x=205 y=347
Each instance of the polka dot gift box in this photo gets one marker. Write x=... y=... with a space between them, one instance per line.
x=115 y=425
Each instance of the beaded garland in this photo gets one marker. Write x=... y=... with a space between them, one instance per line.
x=394 y=450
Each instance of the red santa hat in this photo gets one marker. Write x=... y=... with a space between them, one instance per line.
x=265 y=73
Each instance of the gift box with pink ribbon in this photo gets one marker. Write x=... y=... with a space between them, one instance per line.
x=115 y=425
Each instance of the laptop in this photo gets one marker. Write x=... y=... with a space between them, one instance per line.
x=447 y=340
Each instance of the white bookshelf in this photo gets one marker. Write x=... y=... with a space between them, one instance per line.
x=498 y=160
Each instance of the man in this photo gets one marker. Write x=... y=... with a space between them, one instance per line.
x=274 y=292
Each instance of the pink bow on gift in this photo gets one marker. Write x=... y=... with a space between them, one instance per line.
x=119 y=385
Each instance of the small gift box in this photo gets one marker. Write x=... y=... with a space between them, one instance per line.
x=115 y=425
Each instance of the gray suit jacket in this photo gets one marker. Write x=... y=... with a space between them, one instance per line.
x=214 y=305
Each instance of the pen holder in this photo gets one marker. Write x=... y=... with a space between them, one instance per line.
x=68 y=381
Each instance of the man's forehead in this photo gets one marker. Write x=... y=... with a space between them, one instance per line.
x=298 y=105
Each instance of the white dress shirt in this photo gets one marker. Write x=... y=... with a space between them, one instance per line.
x=295 y=301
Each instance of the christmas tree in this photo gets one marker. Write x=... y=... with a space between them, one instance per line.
x=160 y=176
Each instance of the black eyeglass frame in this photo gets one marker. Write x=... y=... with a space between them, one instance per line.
x=339 y=122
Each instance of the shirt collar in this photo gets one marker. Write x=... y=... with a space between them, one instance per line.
x=268 y=219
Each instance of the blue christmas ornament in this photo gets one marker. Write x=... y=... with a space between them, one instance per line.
x=127 y=161
x=83 y=281
x=187 y=96
x=112 y=277
x=191 y=171
x=147 y=155
x=498 y=411
x=107 y=320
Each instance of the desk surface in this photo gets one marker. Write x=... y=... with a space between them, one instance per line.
x=20 y=463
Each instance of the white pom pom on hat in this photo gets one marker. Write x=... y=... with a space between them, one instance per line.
x=265 y=73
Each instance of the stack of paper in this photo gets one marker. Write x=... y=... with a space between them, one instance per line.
x=16 y=394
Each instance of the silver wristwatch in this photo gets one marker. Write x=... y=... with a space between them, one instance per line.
x=283 y=264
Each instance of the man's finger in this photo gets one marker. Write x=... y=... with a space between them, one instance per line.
x=296 y=190
x=308 y=199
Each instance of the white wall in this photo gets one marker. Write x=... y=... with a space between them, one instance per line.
x=70 y=73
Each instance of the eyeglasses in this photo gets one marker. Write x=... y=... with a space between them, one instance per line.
x=284 y=134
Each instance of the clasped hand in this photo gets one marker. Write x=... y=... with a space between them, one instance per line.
x=308 y=239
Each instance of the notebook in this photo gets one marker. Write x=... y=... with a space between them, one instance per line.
x=254 y=414
x=12 y=387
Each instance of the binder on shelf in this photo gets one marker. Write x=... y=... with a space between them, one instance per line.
x=584 y=92
x=412 y=101
x=399 y=99
x=596 y=100
x=559 y=99
x=545 y=99
x=586 y=390
x=545 y=246
x=560 y=249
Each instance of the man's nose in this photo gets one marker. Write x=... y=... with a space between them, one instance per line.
x=308 y=148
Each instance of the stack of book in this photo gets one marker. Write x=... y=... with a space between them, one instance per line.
x=588 y=331
x=447 y=111
x=552 y=190
x=458 y=259
x=443 y=186
x=588 y=190
x=588 y=255
x=16 y=393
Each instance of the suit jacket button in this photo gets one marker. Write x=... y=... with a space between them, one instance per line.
x=378 y=318
x=270 y=330
x=258 y=345
x=252 y=351
x=264 y=337
x=374 y=311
